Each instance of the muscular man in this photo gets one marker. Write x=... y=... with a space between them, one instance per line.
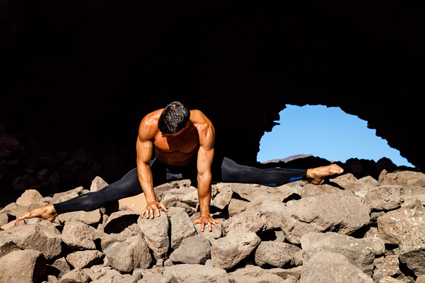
x=178 y=143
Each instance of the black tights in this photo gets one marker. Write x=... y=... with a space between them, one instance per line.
x=224 y=170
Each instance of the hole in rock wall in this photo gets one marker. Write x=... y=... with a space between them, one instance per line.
x=326 y=132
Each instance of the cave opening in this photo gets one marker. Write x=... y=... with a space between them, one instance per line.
x=325 y=132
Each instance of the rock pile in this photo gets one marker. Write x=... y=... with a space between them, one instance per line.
x=344 y=230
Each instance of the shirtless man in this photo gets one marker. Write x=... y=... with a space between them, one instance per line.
x=182 y=142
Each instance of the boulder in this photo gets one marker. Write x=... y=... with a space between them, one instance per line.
x=42 y=237
x=88 y=217
x=359 y=252
x=77 y=235
x=155 y=233
x=83 y=259
x=120 y=220
x=406 y=228
x=29 y=197
x=22 y=266
x=181 y=228
x=182 y=272
x=386 y=266
x=228 y=251
x=332 y=268
x=193 y=250
x=276 y=254
x=340 y=212
x=128 y=255
x=384 y=197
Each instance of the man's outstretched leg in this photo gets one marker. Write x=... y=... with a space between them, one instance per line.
x=316 y=175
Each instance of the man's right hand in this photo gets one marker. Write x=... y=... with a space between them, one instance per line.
x=153 y=207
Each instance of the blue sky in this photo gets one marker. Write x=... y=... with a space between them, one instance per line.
x=326 y=132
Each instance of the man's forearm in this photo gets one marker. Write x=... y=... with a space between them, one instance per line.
x=146 y=182
x=204 y=195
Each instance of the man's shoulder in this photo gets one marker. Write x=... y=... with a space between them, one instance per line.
x=149 y=124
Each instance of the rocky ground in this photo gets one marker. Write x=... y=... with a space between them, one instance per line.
x=344 y=230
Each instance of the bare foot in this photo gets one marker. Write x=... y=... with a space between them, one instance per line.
x=47 y=212
x=316 y=175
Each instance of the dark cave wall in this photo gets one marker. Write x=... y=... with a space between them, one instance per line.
x=81 y=74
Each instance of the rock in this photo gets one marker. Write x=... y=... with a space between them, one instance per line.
x=193 y=250
x=88 y=217
x=136 y=203
x=276 y=254
x=228 y=251
x=386 y=266
x=60 y=267
x=61 y=197
x=155 y=233
x=128 y=255
x=183 y=272
x=339 y=212
x=97 y=184
x=181 y=228
x=43 y=237
x=252 y=220
x=120 y=220
x=83 y=259
x=332 y=268
x=215 y=233
x=388 y=279
x=222 y=199
x=384 y=197
x=406 y=228
x=22 y=266
x=404 y=178
x=29 y=197
x=359 y=252
x=77 y=235
x=252 y=273
x=236 y=206
x=75 y=276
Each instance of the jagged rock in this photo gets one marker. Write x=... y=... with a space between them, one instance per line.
x=120 y=220
x=359 y=252
x=77 y=235
x=129 y=255
x=181 y=228
x=60 y=266
x=236 y=206
x=155 y=233
x=253 y=220
x=275 y=254
x=340 y=212
x=183 y=272
x=44 y=238
x=388 y=279
x=75 y=276
x=332 y=268
x=222 y=199
x=193 y=250
x=83 y=259
x=29 y=197
x=22 y=266
x=256 y=274
x=384 y=197
x=88 y=217
x=404 y=178
x=97 y=184
x=406 y=228
x=228 y=251
x=386 y=266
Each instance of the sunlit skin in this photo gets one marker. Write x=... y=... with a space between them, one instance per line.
x=195 y=140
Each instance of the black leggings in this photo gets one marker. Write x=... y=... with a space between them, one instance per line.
x=223 y=169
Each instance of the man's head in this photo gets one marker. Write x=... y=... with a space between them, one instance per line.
x=174 y=118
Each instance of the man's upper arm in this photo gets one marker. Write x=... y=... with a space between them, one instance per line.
x=206 y=150
x=144 y=144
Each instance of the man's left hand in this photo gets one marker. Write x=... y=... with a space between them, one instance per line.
x=206 y=220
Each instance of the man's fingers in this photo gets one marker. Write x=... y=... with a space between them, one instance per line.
x=162 y=206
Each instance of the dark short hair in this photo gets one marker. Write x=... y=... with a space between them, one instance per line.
x=174 y=117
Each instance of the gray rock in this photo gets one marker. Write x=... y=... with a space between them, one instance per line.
x=83 y=259
x=384 y=197
x=359 y=252
x=29 y=197
x=222 y=199
x=386 y=266
x=252 y=220
x=129 y=255
x=61 y=266
x=97 y=184
x=88 y=217
x=332 y=268
x=75 y=276
x=120 y=220
x=43 y=237
x=22 y=266
x=228 y=251
x=252 y=273
x=155 y=233
x=193 y=250
x=340 y=212
x=215 y=233
x=77 y=235
x=275 y=254
x=183 y=272
x=181 y=228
